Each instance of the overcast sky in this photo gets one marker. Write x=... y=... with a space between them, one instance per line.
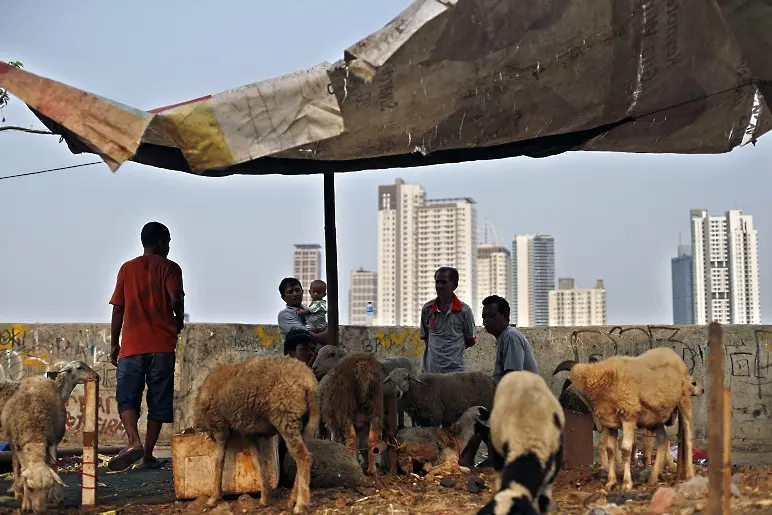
x=65 y=234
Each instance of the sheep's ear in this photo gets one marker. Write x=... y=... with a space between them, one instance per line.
x=565 y=366
x=414 y=378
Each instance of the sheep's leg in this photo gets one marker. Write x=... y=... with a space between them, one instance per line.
x=300 y=496
x=611 y=451
x=628 y=434
x=18 y=490
x=256 y=447
x=351 y=439
x=221 y=442
x=545 y=500
x=602 y=452
x=660 y=458
x=671 y=464
x=687 y=446
x=647 y=442
x=373 y=440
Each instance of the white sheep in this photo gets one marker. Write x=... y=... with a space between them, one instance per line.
x=34 y=420
x=351 y=397
x=629 y=392
x=439 y=449
x=440 y=399
x=259 y=398
x=526 y=429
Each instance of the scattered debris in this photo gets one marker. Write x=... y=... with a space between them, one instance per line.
x=475 y=484
x=447 y=482
x=662 y=500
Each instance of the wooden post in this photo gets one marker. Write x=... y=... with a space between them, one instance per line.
x=90 y=443
x=716 y=493
x=392 y=432
x=726 y=464
x=331 y=259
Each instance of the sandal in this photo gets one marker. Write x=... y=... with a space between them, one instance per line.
x=125 y=458
x=154 y=464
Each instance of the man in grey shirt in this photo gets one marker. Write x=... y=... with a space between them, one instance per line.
x=291 y=292
x=447 y=326
x=513 y=352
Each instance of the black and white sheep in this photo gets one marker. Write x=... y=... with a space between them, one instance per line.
x=351 y=397
x=34 y=420
x=439 y=449
x=526 y=428
x=434 y=400
x=259 y=398
x=629 y=392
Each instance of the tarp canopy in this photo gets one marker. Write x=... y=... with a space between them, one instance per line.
x=459 y=80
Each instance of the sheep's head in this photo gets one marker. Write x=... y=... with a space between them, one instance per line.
x=695 y=388
x=326 y=358
x=399 y=379
x=79 y=371
x=38 y=480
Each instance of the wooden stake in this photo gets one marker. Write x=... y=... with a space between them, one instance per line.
x=681 y=462
x=727 y=448
x=716 y=493
x=392 y=432
x=331 y=259
x=90 y=443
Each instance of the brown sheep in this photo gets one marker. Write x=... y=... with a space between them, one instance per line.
x=259 y=398
x=351 y=396
x=34 y=420
x=630 y=392
x=333 y=466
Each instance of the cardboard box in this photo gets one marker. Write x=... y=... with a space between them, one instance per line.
x=577 y=439
x=193 y=466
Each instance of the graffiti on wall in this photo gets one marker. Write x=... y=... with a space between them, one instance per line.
x=407 y=341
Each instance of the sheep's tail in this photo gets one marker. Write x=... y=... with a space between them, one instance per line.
x=312 y=402
x=365 y=382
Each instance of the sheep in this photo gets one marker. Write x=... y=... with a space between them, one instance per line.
x=439 y=449
x=330 y=354
x=34 y=419
x=333 y=466
x=630 y=392
x=259 y=398
x=440 y=399
x=526 y=428
x=351 y=396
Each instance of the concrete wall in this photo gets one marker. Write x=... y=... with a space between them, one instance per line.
x=27 y=350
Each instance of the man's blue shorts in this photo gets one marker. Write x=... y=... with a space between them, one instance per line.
x=157 y=371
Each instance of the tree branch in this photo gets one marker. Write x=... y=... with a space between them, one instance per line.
x=24 y=129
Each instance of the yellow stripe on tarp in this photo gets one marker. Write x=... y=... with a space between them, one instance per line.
x=196 y=131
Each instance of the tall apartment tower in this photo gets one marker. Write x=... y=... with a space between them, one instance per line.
x=398 y=206
x=533 y=271
x=447 y=236
x=683 y=286
x=725 y=268
x=415 y=237
x=307 y=265
x=571 y=306
x=494 y=275
x=363 y=288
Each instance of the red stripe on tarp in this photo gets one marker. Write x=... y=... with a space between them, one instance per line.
x=159 y=109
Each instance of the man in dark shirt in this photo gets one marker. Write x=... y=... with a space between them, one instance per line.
x=148 y=307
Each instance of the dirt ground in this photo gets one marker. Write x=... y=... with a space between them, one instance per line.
x=577 y=491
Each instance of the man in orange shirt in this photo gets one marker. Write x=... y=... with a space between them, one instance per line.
x=148 y=306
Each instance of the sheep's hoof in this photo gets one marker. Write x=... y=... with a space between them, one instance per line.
x=610 y=485
x=265 y=499
x=627 y=487
x=465 y=470
x=212 y=501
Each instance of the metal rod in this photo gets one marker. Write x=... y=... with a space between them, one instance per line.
x=716 y=493
x=90 y=443
x=331 y=259
x=726 y=464
x=391 y=401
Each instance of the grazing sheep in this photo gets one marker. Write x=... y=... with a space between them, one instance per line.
x=34 y=419
x=440 y=399
x=259 y=398
x=526 y=427
x=333 y=466
x=351 y=396
x=439 y=449
x=630 y=392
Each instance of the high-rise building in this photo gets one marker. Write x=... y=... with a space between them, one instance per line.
x=398 y=206
x=725 y=268
x=577 y=307
x=533 y=273
x=683 y=286
x=494 y=275
x=362 y=289
x=307 y=265
x=415 y=237
x=447 y=236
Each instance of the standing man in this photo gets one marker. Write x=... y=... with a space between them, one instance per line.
x=447 y=326
x=513 y=352
x=291 y=292
x=148 y=307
